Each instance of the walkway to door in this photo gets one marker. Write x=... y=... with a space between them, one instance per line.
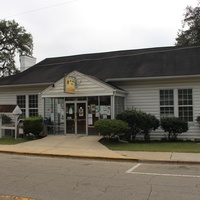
x=72 y=145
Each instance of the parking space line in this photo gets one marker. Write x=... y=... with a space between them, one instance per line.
x=131 y=171
x=133 y=168
x=172 y=175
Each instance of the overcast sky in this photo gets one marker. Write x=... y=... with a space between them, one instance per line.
x=70 y=27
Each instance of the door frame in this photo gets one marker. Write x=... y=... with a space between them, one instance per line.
x=76 y=110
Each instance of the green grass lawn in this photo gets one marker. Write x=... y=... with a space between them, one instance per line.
x=155 y=146
x=9 y=140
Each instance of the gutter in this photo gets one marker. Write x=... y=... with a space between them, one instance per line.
x=27 y=85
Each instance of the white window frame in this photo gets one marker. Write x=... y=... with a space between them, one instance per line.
x=176 y=105
x=27 y=109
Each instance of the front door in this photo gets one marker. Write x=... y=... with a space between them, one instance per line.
x=76 y=117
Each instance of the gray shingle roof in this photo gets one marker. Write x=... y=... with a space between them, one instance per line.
x=141 y=63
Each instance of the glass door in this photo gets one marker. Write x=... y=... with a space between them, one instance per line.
x=81 y=118
x=76 y=121
x=70 y=117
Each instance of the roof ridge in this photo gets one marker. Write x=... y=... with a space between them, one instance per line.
x=119 y=56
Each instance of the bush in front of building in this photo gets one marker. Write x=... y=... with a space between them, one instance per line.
x=139 y=123
x=151 y=123
x=33 y=125
x=6 y=119
x=111 y=127
x=174 y=126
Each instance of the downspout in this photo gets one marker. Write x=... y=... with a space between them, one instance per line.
x=113 y=104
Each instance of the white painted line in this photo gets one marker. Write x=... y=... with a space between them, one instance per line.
x=133 y=168
x=157 y=174
x=131 y=171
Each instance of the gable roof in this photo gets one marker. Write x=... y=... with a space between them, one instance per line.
x=152 y=62
x=7 y=108
x=86 y=86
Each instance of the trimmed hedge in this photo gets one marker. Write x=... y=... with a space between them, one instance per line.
x=139 y=123
x=111 y=127
x=174 y=126
x=33 y=125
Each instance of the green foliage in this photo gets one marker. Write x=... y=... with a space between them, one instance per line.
x=173 y=126
x=198 y=119
x=33 y=125
x=154 y=146
x=11 y=141
x=191 y=35
x=139 y=123
x=111 y=127
x=13 y=39
x=150 y=123
x=6 y=119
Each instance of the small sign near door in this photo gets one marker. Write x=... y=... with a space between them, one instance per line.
x=81 y=112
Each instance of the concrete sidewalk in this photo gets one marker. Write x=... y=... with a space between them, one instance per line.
x=79 y=146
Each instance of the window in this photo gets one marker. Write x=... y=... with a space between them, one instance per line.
x=185 y=104
x=166 y=103
x=119 y=105
x=21 y=102
x=28 y=105
x=177 y=102
x=33 y=105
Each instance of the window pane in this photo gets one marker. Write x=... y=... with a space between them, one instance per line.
x=185 y=103
x=186 y=113
x=21 y=102
x=33 y=112
x=105 y=100
x=185 y=97
x=105 y=107
x=166 y=103
x=33 y=101
x=166 y=97
x=167 y=111
x=119 y=105
x=33 y=105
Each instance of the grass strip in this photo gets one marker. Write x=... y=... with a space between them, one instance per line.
x=152 y=146
x=10 y=141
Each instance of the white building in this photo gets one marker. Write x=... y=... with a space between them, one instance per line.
x=75 y=91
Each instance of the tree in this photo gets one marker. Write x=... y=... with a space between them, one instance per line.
x=13 y=39
x=190 y=32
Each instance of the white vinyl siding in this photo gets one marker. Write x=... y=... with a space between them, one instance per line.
x=144 y=95
x=9 y=95
x=86 y=86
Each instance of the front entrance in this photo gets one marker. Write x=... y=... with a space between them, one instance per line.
x=76 y=117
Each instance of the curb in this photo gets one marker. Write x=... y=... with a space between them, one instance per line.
x=184 y=162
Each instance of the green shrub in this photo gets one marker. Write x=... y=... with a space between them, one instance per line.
x=33 y=125
x=111 y=127
x=173 y=126
x=6 y=119
x=139 y=123
x=150 y=123
x=133 y=118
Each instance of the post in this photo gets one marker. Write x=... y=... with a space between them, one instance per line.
x=16 y=112
x=16 y=122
